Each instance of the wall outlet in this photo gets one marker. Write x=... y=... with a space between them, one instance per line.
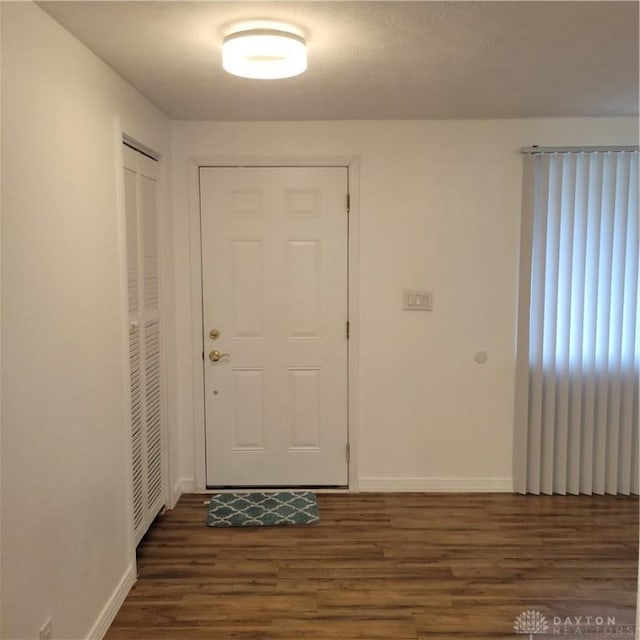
x=46 y=630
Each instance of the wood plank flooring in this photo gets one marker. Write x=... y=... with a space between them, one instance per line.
x=392 y=567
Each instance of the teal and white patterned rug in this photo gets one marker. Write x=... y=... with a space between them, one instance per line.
x=254 y=509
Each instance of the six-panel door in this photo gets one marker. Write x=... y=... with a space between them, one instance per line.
x=274 y=270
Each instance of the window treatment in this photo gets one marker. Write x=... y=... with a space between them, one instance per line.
x=578 y=346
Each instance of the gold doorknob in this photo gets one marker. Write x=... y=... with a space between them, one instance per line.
x=216 y=355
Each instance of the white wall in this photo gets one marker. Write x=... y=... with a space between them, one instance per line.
x=65 y=519
x=439 y=208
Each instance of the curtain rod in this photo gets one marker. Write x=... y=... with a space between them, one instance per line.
x=536 y=149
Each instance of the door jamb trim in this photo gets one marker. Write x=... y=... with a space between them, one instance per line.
x=352 y=163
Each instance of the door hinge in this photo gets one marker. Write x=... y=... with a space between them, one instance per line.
x=348 y=329
x=347 y=452
x=348 y=202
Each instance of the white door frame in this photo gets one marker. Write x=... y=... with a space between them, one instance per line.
x=352 y=164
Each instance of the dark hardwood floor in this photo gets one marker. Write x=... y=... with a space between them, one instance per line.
x=392 y=566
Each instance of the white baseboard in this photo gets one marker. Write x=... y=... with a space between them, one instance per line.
x=111 y=608
x=435 y=485
x=184 y=485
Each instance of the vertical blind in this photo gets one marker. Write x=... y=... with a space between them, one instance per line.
x=576 y=415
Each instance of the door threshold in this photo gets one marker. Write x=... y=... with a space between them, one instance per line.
x=274 y=488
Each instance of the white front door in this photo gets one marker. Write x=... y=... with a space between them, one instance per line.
x=274 y=276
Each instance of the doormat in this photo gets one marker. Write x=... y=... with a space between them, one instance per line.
x=262 y=509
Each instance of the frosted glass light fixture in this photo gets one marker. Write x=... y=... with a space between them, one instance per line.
x=264 y=54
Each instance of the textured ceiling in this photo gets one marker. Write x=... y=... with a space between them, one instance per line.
x=376 y=60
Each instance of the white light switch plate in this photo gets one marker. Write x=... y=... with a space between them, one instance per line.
x=418 y=300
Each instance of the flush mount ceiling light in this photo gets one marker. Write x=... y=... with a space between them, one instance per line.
x=264 y=54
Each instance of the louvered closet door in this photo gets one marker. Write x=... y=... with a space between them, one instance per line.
x=141 y=187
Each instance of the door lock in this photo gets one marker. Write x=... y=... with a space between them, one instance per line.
x=214 y=334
